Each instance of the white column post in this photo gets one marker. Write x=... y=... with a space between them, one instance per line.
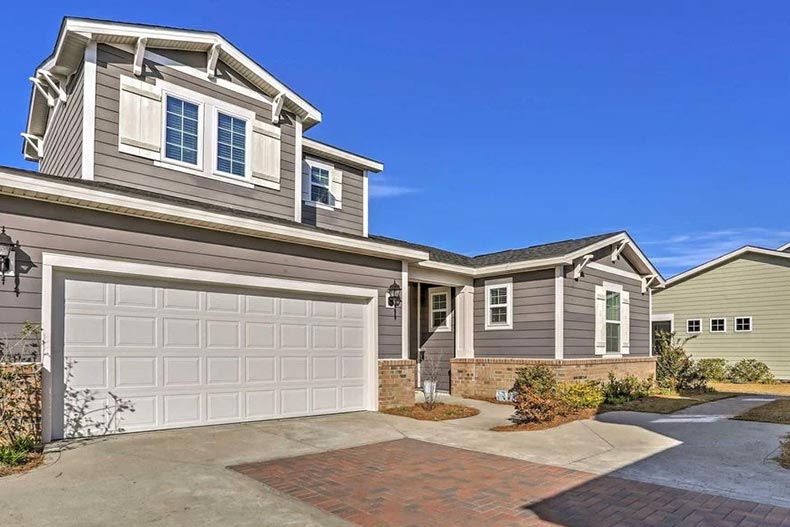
x=405 y=310
x=559 y=312
x=464 y=322
x=298 y=170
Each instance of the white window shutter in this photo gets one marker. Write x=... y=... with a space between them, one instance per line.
x=336 y=188
x=140 y=118
x=305 y=181
x=265 y=154
x=600 y=320
x=625 y=323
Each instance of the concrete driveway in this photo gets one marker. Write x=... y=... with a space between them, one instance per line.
x=181 y=477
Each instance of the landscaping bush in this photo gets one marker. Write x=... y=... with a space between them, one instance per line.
x=751 y=370
x=714 y=369
x=582 y=395
x=537 y=397
x=628 y=388
x=17 y=453
x=675 y=369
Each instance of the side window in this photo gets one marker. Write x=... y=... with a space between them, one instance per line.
x=322 y=184
x=182 y=131
x=439 y=310
x=694 y=325
x=499 y=304
x=718 y=325
x=319 y=185
x=612 y=320
x=231 y=144
x=743 y=324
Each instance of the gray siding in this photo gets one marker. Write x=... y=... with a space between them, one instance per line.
x=58 y=228
x=63 y=140
x=116 y=167
x=532 y=335
x=348 y=219
x=580 y=309
x=439 y=344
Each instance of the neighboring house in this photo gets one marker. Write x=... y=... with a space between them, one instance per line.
x=189 y=253
x=735 y=307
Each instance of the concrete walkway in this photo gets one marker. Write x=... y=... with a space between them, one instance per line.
x=180 y=477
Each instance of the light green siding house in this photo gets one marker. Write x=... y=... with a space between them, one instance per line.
x=736 y=307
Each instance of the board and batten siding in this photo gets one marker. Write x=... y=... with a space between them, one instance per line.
x=579 y=307
x=63 y=229
x=752 y=285
x=63 y=138
x=349 y=218
x=121 y=168
x=532 y=335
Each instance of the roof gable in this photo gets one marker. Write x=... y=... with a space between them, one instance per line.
x=716 y=262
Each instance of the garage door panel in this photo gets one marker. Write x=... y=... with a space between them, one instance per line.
x=181 y=356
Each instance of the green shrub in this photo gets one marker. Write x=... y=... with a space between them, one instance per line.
x=714 y=369
x=628 y=388
x=582 y=395
x=675 y=369
x=751 y=370
x=536 y=396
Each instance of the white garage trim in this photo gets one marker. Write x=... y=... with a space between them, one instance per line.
x=60 y=262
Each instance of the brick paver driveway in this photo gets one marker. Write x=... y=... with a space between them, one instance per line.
x=413 y=483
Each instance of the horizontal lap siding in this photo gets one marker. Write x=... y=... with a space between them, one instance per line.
x=439 y=345
x=116 y=167
x=580 y=309
x=349 y=218
x=63 y=139
x=532 y=335
x=755 y=285
x=61 y=229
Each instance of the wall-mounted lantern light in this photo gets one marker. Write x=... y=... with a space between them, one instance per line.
x=394 y=298
x=7 y=247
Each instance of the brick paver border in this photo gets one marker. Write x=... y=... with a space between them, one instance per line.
x=408 y=483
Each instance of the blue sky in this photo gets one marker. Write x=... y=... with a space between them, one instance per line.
x=508 y=124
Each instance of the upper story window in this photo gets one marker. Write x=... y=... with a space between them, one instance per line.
x=718 y=325
x=499 y=304
x=439 y=310
x=743 y=324
x=319 y=185
x=694 y=325
x=182 y=131
x=231 y=144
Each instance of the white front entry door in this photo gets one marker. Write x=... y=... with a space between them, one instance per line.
x=141 y=355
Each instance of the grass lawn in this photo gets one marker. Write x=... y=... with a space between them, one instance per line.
x=775 y=412
x=781 y=388
x=439 y=412
x=665 y=404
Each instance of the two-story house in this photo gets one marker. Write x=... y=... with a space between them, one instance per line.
x=189 y=253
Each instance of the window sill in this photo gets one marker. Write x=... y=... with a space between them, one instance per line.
x=441 y=330
x=318 y=205
x=497 y=328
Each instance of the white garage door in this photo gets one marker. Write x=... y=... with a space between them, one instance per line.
x=139 y=356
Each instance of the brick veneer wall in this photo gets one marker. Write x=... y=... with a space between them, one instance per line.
x=397 y=379
x=24 y=393
x=483 y=377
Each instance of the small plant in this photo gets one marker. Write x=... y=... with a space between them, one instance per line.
x=675 y=369
x=751 y=371
x=20 y=394
x=432 y=367
x=714 y=369
x=628 y=388
x=537 y=399
x=582 y=395
x=17 y=453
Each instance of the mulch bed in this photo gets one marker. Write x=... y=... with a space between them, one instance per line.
x=34 y=460
x=526 y=427
x=492 y=400
x=439 y=412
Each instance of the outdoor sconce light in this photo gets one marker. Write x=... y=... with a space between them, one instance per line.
x=7 y=246
x=394 y=298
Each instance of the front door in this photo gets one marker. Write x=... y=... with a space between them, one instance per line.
x=437 y=345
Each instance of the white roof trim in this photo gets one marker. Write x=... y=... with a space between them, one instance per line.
x=724 y=258
x=784 y=247
x=311 y=146
x=100 y=199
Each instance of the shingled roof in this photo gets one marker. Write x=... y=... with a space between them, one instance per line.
x=533 y=252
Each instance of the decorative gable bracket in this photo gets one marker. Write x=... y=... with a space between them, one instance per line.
x=49 y=87
x=35 y=142
x=277 y=107
x=139 y=55
x=211 y=61
x=617 y=249
x=579 y=267
x=646 y=281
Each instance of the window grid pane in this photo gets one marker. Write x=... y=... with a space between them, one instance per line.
x=181 y=131
x=498 y=315
x=612 y=337
x=693 y=326
x=717 y=325
x=231 y=144
x=743 y=324
x=319 y=185
x=613 y=306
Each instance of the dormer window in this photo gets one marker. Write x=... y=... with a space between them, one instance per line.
x=182 y=131
x=319 y=185
x=322 y=184
x=231 y=144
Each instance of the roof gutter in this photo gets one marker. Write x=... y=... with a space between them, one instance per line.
x=28 y=187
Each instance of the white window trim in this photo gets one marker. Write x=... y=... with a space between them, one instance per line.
x=448 y=322
x=735 y=325
x=694 y=320
x=710 y=324
x=207 y=135
x=498 y=284
x=247 y=143
x=312 y=162
x=615 y=288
